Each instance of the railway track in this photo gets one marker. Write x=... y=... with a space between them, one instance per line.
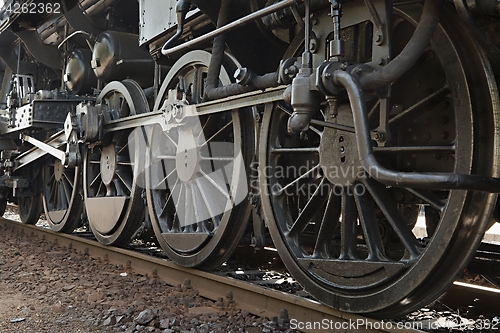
x=302 y=313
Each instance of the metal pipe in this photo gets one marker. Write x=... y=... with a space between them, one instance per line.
x=411 y=53
x=231 y=26
x=219 y=45
x=181 y=9
x=98 y=7
x=256 y=82
x=437 y=181
x=72 y=35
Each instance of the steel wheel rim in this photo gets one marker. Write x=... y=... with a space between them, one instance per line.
x=211 y=240
x=62 y=199
x=117 y=192
x=396 y=295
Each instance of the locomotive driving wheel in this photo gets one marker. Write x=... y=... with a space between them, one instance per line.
x=62 y=196
x=349 y=239
x=196 y=181
x=113 y=202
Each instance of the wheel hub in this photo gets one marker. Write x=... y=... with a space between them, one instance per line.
x=339 y=158
x=108 y=163
x=58 y=170
x=188 y=157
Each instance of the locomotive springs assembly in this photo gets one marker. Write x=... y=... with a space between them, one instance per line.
x=324 y=128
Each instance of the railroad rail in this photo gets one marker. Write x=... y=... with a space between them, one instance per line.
x=257 y=300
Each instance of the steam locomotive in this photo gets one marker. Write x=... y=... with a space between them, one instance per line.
x=327 y=126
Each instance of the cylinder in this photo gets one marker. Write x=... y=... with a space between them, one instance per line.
x=79 y=76
x=117 y=56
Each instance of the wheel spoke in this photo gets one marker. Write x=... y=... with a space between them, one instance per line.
x=222 y=159
x=220 y=188
x=429 y=198
x=348 y=228
x=125 y=179
x=164 y=157
x=69 y=180
x=294 y=150
x=415 y=149
x=224 y=128
x=308 y=212
x=207 y=198
x=371 y=231
x=373 y=110
x=123 y=147
x=61 y=198
x=164 y=207
x=421 y=106
x=170 y=139
x=67 y=191
x=189 y=210
x=165 y=180
x=305 y=175
x=396 y=220
x=329 y=223
x=97 y=193
x=53 y=192
x=204 y=126
x=95 y=179
x=52 y=176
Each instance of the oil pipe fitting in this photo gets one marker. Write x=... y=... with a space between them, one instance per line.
x=305 y=100
x=182 y=8
x=305 y=97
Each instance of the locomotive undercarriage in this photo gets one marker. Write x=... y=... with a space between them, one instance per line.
x=334 y=145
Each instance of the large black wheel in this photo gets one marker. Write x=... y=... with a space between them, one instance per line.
x=113 y=201
x=62 y=196
x=346 y=237
x=196 y=178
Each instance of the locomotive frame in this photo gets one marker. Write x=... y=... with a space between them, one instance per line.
x=331 y=125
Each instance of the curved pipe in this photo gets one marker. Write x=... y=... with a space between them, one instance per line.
x=182 y=9
x=256 y=83
x=410 y=54
x=438 y=181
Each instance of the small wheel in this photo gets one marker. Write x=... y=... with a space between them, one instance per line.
x=62 y=196
x=30 y=207
x=196 y=182
x=346 y=237
x=113 y=202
